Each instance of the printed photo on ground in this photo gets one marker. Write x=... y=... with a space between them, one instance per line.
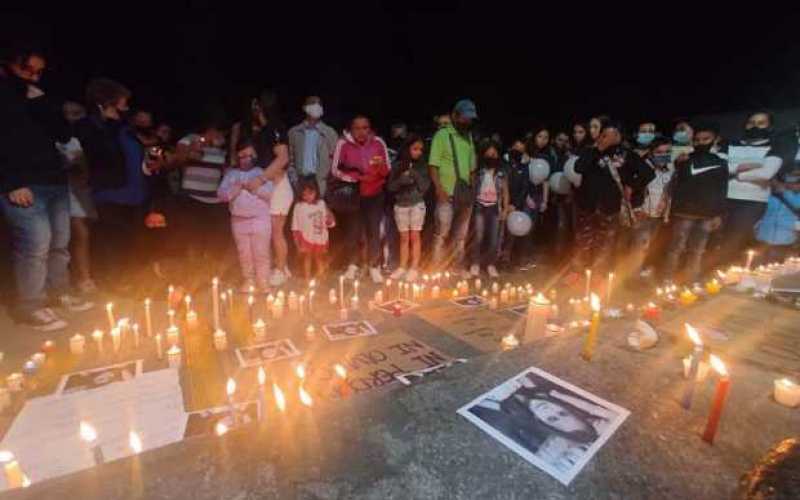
x=98 y=377
x=470 y=301
x=203 y=422
x=393 y=305
x=256 y=355
x=349 y=329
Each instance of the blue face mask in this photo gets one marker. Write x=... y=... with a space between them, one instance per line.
x=662 y=160
x=681 y=137
x=645 y=138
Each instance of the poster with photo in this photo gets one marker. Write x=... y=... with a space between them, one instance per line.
x=99 y=377
x=470 y=301
x=349 y=330
x=256 y=355
x=393 y=305
x=550 y=423
x=203 y=422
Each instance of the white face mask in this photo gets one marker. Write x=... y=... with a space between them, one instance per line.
x=313 y=110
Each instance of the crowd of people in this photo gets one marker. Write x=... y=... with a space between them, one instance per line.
x=90 y=189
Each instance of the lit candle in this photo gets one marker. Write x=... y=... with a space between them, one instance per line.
x=277 y=309
x=77 y=344
x=305 y=397
x=293 y=304
x=343 y=314
x=713 y=287
x=191 y=319
x=116 y=338
x=14 y=476
x=14 y=382
x=159 y=347
x=170 y=291
x=435 y=292
x=171 y=316
x=651 y=311
x=220 y=429
x=536 y=321
x=215 y=300
x=262 y=400
x=355 y=287
x=30 y=368
x=493 y=302
x=300 y=371
x=260 y=331
x=311 y=301
x=509 y=342
x=787 y=393
x=588 y=283
x=702 y=368
x=48 y=346
x=39 y=358
x=280 y=399
x=220 y=340
x=455 y=293
x=311 y=333
x=250 y=302
x=89 y=436
x=495 y=288
x=135 y=442
x=697 y=355
x=504 y=296
x=172 y=335
x=230 y=390
x=110 y=315
x=399 y=290
x=97 y=335
x=174 y=357
x=302 y=304
x=136 y=338
x=720 y=394
x=750 y=255
x=354 y=302
x=332 y=297
x=591 y=339
x=230 y=296
x=341 y=289
x=379 y=297
x=478 y=285
x=341 y=372
x=687 y=297
x=610 y=288
x=148 y=318
x=188 y=301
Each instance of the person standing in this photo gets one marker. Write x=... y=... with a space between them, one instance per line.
x=491 y=209
x=35 y=195
x=361 y=158
x=452 y=164
x=311 y=145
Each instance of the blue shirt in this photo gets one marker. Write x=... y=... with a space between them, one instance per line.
x=135 y=190
x=311 y=138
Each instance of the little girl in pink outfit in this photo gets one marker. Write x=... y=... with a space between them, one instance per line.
x=250 y=219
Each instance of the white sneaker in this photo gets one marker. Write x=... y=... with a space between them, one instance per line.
x=352 y=272
x=74 y=304
x=277 y=278
x=412 y=275
x=375 y=274
x=398 y=274
x=475 y=271
x=492 y=272
x=45 y=320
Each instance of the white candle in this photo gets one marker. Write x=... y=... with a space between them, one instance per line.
x=504 y=296
x=116 y=338
x=110 y=315
x=310 y=332
x=343 y=314
x=610 y=286
x=159 y=347
x=293 y=304
x=215 y=301
x=750 y=255
x=14 y=382
x=174 y=357
x=171 y=315
x=170 y=291
x=355 y=287
x=588 y=283
x=379 y=297
x=341 y=289
x=172 y=335
x=136 y=335
x=220 y=340
x=230 y=296
x=435 y=292
x=332 y=297
x=538 y=312
x=277 y=309
x=702 y=368
x=260 y=330
x=493 y=302
x=77 y=344
x=148 y=318
x=787 y=393
x=478 y=285
x=191 y=320
x=354 y=302
x=97 y=335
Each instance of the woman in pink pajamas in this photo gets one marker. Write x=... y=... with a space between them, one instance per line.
x=250 y=219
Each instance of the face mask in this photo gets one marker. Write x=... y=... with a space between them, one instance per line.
x=516 y=156
x=645 y=138
x=681 y=137
x=661 y=160
x=314 y=110
x=491 y=162
x=702 y=148
x=756 y=133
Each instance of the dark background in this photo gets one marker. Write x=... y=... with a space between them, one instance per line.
x=521 y=63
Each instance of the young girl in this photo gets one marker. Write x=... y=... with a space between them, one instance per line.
x=310 y=224
x=409 y=181
x=250 y=219
x=491 y=208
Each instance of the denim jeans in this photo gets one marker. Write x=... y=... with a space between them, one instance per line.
x=642 y=237
x=486 y=228
x=372 y=210
x=452 y=222
x=691 y=236
x=739 y=229
x=39 y=241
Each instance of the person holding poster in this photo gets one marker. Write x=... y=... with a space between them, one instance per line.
x=752 y=163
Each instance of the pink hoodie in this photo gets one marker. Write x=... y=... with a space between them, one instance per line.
x=367 y=163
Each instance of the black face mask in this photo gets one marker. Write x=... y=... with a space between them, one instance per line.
x=516 y=156
x=491 y=162
x=702 y=148
x=144 y=130
x=755 y=133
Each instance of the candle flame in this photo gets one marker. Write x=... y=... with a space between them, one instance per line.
x=97 y=335
x=305 y=397
x=188 y=300
x=280 y=400
x=6 y=456
x=88 y=433
x=696 y=340
x=109 y=306
x=300 y=370
x=718 y=366
x=230 y=387
x=26 y=481
x=135 y=442
x=262 y=376
x=259 y=323
x=220 y=429
x=595 y=300
x=340 y=370
x=215 y=281
x=147 y=302
x=721 y=274
x=250 y=300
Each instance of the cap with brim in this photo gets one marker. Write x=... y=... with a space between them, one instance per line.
x=466 y=108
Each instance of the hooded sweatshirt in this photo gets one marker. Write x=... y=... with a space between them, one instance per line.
x=598 y=191
x=367 y=163
x=409 y=188
x=701 y=185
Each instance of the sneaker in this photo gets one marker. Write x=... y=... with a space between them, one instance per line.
x=492 y=272
x=412 y=275
x=352 y=272
x=88 y=286
x=74 y=304
x=475 y=271
x=277 y=278
x=398 y=274
x=45 y=320
x=375 y=274
x=248 y=286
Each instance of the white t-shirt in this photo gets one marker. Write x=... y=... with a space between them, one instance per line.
x=201 y=178
x=487 y=193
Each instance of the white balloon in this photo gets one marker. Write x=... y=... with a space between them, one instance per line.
x=519 y=223
x=538 y=169
x=569 y=170
x=559 y=183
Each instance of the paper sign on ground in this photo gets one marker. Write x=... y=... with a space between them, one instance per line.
x=256 y=355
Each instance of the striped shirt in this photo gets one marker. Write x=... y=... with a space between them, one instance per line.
x=201 y=178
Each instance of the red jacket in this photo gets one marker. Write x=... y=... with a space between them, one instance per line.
x=366 y=163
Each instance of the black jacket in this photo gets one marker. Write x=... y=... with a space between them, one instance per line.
x=701 y=186
x=29 y=130
x=598 y=191
x=518 y=183
x=409 y=189
x=100 y=141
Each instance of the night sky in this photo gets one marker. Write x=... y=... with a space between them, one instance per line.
x=406 y=61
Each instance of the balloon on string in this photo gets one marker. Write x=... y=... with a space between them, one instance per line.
x=569 y=170
x=539 y=170
x=559 y=183
x=519 y=223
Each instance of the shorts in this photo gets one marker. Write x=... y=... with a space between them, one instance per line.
x=282 y=197
x=410 y=218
